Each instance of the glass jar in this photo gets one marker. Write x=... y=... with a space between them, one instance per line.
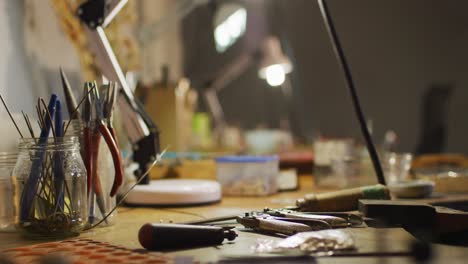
x=101 y=203
x=7 y=206
x=51 y=187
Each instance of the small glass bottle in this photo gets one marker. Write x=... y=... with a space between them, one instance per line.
x=50 y=188
x=7 y=206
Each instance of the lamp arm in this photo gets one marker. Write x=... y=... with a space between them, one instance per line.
x=228 y=74
x=140 y=129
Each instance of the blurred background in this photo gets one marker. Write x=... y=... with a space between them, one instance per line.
x=409 y=60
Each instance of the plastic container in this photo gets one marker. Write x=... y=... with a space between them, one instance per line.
x=248 y=175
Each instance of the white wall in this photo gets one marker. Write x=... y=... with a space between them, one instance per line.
x=15 y=79
x=32 y=48
x=166 y=47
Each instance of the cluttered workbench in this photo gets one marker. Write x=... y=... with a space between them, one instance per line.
x=373 y=244
x=235 y=198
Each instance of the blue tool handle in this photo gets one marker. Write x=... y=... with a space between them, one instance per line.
x=31 y=183
x=59 y=178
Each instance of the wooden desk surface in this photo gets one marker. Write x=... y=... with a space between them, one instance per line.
x=129 y=220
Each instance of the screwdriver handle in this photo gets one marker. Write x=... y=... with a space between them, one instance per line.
x=176 y=236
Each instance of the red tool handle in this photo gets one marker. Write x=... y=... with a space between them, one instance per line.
x=96 y=182
x=115 y=152
x=88 y=156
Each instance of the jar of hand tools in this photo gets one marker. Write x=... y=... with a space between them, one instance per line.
x=7 y=206
x=50 y=187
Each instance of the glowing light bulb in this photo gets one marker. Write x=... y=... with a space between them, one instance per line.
x=222 y=37
x=229 y=30
x=275 y=75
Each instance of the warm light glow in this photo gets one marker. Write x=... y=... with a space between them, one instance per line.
x=275 y=75
x=227 y=32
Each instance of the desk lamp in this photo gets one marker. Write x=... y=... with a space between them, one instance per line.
x=273 y=67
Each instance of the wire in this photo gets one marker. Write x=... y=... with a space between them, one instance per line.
x=157 y=160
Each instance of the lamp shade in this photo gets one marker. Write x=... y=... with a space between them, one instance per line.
x=273 y=58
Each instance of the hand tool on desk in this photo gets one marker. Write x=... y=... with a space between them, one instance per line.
x=331 y=219
x=284 y=221
x=436 y=220
x=342 y=200
x=353 y=219
x=177 y=236
x=334 y=219
x=277 y=225
x=288 y=222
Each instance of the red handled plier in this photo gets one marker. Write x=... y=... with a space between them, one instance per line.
x=108 y=112
x=91 y=151
x=108 y=133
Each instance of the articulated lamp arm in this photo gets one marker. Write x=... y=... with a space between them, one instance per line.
x=140 y=129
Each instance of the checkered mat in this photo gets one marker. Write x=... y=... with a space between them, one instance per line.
x=81 y=251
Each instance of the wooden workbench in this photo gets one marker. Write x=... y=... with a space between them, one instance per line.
x=368 y=240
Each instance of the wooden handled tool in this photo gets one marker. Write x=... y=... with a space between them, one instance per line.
x=342 y=200
x=413 y=215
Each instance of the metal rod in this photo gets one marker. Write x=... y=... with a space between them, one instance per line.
x=11 y=117
x=350 y=83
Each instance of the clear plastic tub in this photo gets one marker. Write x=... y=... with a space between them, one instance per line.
x=248 y=175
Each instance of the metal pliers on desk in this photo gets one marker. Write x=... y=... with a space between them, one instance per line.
x=334 y=219
x=288 y=222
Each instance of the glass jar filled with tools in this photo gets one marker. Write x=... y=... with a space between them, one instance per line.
x=101 y=153
x=51 y=187
x=7 y=206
